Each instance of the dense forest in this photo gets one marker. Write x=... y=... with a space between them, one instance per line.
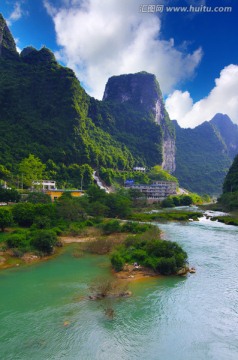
x=229 y=198
x=45 y=112
x=205 y=153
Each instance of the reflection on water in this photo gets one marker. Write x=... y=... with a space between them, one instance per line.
x=45 y=313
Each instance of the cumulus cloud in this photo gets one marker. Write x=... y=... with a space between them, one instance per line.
x=222 y=99
x=16 y=13
x=101 y=38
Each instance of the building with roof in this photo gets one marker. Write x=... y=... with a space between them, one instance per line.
x=157 y=191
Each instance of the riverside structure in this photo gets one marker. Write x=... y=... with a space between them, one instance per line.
x=157 y=191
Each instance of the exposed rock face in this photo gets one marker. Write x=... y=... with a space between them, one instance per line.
x=142 y=91
x=162 y=118
x=7 y=43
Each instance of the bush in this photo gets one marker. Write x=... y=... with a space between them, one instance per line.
x=42 y=222
x=117 y=261
x=134 y=227
x=44 y=241
x=16 y=241
x=5 y=218
x=23 y=214
x=165 y=257
x=76 y=228
x=111 y=226
x=38 y=198
x=166 y=266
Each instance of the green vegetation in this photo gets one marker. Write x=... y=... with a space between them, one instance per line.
x=41 y=221
x=60 y=133
x=184 y=200
x=160 y=216
x=117 y=177
x=9 y=195
x=228 y=220
x=147 y=249
x=231 y=181
x=6 y=218
x=31 y=169
x=201 y=159
x=229 y=198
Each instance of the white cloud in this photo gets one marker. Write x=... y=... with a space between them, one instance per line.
x=16 y=13
x=101 y=38
x=222 y=99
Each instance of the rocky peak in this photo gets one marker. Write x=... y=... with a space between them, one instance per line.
x=142 y=91
x=33 y=56
x=7 y=43
x=228 y=131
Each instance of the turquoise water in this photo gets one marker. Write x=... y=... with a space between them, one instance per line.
x=45 y=313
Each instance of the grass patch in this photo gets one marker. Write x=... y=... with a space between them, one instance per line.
x=228 y=220
x=176 y=216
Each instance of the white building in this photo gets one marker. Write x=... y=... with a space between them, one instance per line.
x=157 y=191
x=137 y=168
x=44 y=184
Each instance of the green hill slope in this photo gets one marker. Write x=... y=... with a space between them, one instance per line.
x=44 y=111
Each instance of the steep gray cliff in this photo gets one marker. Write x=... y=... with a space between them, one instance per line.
x=141 y=92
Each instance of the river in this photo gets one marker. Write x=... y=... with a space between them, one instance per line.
x=45 y=313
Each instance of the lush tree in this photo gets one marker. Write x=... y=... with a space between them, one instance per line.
x=119 y=205
x=38 y=198
x=117 y=261
x=23 y=214
x=5 y=218
x=96 y=194
x=165 y=257
x=4 y=173
x=231 y=179
x=31 y=169
x=136 y=196
x=44 y=240
x=70 y=208
x=157 y=173
x=9 y=195
x=97 y=209
x=186 y=200
x=80 y=175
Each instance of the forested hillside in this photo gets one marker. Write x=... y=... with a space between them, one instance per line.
x=229 y=198
x=205 y=153
x=44 y=111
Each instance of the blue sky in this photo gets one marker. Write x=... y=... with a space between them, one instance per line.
x=194 y=54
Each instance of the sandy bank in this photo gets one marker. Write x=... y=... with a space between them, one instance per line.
x=75 y=239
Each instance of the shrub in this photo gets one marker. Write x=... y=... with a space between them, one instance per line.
x=44 y=241
x=23 y=214
x=166 y=266
x=111 y=226
x=5 y=218
x=76 y=228
x=165 y=257
x=42 y=222
x=16 y=240
x=38 y=198
x=134 y=227
x=117 y=261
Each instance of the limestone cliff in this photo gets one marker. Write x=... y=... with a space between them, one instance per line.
x=141 y=92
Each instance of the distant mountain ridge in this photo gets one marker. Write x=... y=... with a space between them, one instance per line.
x=205 y=153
